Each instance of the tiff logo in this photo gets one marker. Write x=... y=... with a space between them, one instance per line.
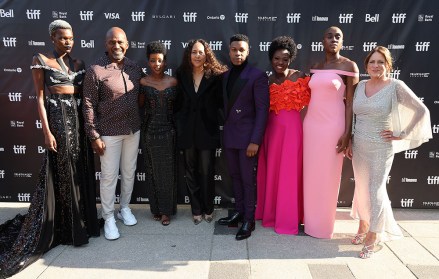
x=86 y=15
x=345 y=18
x=38 y=124
x=9 y=41
x=398 y=18
x=411 y=154
x=141 y=176
x=2 y=173
x=33 y=14
x=395 y=73
x=407 y=202
x=316 y=46
x=217 y=200
x=23 y=197
x=388 y=179
x=263 y=46
x=372 y=18
x=435 y=129
x=422 y=46
x=218 y=152
x=432 y=180
x=19 y=149
x=216 y=45
x=189 y=17
x=138 y=16
x=368 y=46
x=293 y=17
x=241 y=17
x=14 y=97
x=166 y=43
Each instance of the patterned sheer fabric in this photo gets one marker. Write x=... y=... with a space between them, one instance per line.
x=159 y=151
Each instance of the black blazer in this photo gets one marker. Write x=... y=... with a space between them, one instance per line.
x=198 y=112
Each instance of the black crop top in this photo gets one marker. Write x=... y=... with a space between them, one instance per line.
x=56 y=77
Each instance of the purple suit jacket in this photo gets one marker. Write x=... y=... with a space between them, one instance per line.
x=246 y=109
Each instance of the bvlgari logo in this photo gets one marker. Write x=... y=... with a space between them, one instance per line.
x=158 y=16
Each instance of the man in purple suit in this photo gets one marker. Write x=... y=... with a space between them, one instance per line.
x=246 y=103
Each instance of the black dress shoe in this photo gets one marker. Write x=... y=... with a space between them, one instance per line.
x=233 y=219
x=246 y=230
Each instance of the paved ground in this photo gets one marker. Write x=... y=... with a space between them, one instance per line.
x=183 y=250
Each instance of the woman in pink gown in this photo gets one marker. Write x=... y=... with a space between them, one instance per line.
x=326 y=133
x=279 y=178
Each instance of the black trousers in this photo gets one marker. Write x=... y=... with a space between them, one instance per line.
x=199 y=175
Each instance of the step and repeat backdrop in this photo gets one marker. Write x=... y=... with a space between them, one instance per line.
x=407 y=27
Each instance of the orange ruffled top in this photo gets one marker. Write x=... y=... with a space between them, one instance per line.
x=290 y=95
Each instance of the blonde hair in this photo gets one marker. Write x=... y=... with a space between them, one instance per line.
x=58 y=24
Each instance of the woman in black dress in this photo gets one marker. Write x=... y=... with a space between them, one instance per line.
x=63 y=206
x=200 y=98
x=158 y=93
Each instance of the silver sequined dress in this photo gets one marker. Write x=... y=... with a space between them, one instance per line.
x=373 y=157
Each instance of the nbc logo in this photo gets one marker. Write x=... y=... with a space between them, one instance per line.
x=86 y=15
x=19 y=149
x=138 y=16
x=372 y=18
x=432 y=180
x=395 y=73
x=216 y=45
x=293 y=17
x=263 y=46
x=189 y=16
x=411 y=154
x=241 y=17
x=33 y=14
x=398 y=18
x=345 y=18
x=407 y=202
x=23 y=197
x=14 y=97
x=166 y=43
x=10 y=41
x=316 y=46
x=368 y=46
x=422 y=46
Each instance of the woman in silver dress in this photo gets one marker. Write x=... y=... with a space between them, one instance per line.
x=388 y=118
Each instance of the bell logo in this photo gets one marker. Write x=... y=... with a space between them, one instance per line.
x=263 y=46
x=372 y=18
x=169 y=72
x=422 y=46
x=85 y=44
x=14 y=97
x=33 y=14
x=166 y=43
x=9 y=41
x=395 y=73
x=368 y=46
x=216 y=45
x=141 y=176
x=2 y=174
x=86 y=15
x=241 y=17
x=432 y=180
x=186 y=199
x=41 y=149
x=4 y=13
x=411 y=154
x=189 y=17
x=138 y=16
x=111 y=15
x=407 y=202
x=398 y=18
x=345 y=18
x=19 y=149
x=316 y=46
x=23 y=197
x=293 y=17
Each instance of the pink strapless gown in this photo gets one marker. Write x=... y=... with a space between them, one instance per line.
x=279 y=177
x=323 y=126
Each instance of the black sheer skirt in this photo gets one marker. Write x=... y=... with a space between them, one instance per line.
x=63 y=206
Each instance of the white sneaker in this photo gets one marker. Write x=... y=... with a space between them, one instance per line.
x=110 y=229
x=127 y=217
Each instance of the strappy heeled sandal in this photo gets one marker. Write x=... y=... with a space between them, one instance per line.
x=368 y=251
x=359 y=238
x=197 y=219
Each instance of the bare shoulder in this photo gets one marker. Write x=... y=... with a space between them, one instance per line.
x=318 y=65
x=172 y=81
x=145 y=81
x=348 y=65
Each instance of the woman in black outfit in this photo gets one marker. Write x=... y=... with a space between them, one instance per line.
x=199 y=99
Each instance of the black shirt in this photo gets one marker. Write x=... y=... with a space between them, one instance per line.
x=233 y=76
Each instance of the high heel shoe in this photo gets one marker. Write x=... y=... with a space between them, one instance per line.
x=208 y=217
x=359 y=238
x=197 y=219
x=368 y=250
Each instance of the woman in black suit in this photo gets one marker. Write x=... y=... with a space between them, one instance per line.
x=199 y=99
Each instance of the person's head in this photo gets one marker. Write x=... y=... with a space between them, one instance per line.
x=156 y=55
x=61 y=33
x=238 y=49
x=282 y=52
x=116 y=44
x=198 y=56
x=378 y=62
x=333 y=39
